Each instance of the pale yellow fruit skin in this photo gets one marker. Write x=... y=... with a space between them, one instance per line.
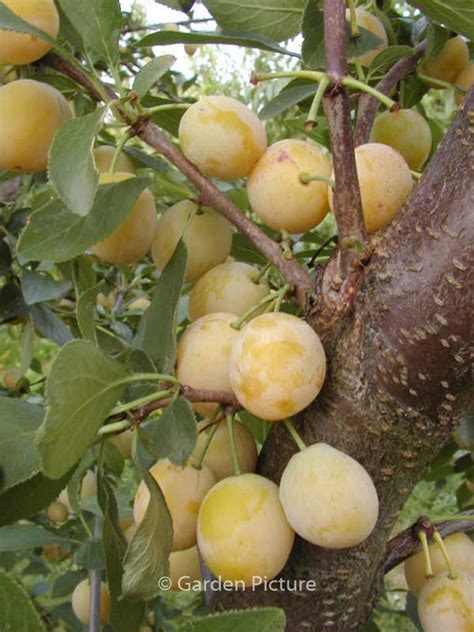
x=123 y=441
x=103 y=156
x=190 y=49
x=88 y=489
x=57 y=512
x=218 y=455
x=206 y=228
x=183 y=489
x=222 y=137
x=371 y=23
x=141 y=304
x=106 y=301
x=19 y=48
x=385 y=182
x=80 y=602
x=132 y=239
x=242 y=530
x=465 y=79
x=185 y=568
x=447 y=605
x=461 y=553
x=448 y=63
x=328 y=497
x=407 y=132
x=202 y=359
x=30 y=115
x=276 y=194
x=227 y=288
x=277 y=366
x=11 y=377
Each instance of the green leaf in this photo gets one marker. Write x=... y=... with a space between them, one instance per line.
x=99 y=23
x=19 y=459
x=41 y=287
x=21 y=536
x=82 y=388
x=147 y=76
x=5 y=258
x=85 y=312
x=12 y=303
x=456 y=15
x=277 y=19
x=71 y=166
x=17 y=611
x=174 y=434
x=27 y=347
x=55 y=234
x=231 y=38
x=28 y=498
x=9 y=21
x=437 y=37
x=464 y=435
x=389 y=56
x=90 y=555
x=147 y=556
x=157 y=329
x=286 y=99
x=145 y=160
x=123 y=616
x=49 y=325
x=261 y=619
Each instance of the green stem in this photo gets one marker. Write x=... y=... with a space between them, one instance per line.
x=306 y=178
x=142 y=401
x=312 y=75
x=415 y=174
x=116 y=427
x=256 y=279
x=426 y=554
x=315 y=105
x=355 y=33
x=294 y=435
x=233 y=448
x=237 y=324
x=457 y=518
x=205 y=447
x=350 y=82
x=118 y=151
x=439 y=541
x=151 y=377
x=439 y=82
x=359 y=70
x=168 y=106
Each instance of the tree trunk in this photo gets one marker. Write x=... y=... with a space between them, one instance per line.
x=398 y=338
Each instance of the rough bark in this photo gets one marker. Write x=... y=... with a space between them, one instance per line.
x=398 y=339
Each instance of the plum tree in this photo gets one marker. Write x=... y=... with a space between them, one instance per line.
x=130 y=241
x=277 y=366
x=184 y=489
x=461 y=553
x=185 y=568
x=447 y=604
x=103 y=156
x=202 y=359
x=465 y=80
x=276 y=193
x=328 y=497
x=30 y=114
x=198 y=226
x=229 y=287
x=407 y=132
x=11 y=379
x=385 y=182
x=222 y=137
x=218 y=455
x=372 y=23
x=57 y=512
x=242 y=531
x=448 y=63
x=19 y=48
x=80 y=602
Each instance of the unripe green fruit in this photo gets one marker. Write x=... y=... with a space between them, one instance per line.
x=103 y=156
x=276 y=194
x=19 y=48
x=222 y=137
x=202 y=359
x=242 y=530
x=206 y=227
x=328 y=497
x=277 y=366
x=385 y=182
x=218 y=454
x=11 y=379
x=371 y=23
x=131 y=240
x=407 y=132
x=227 y=288
x=57 y=512
x=447 y=605
x=465 y=79
x=184 y=568
x=448 y=63
x=30 y=115
x=183 y=489
x=461 y=553
x=81 y=598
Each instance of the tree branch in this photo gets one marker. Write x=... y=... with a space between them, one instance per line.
x=145 y=129
x=406 y=543
x=368 y=105
x=347 y=200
